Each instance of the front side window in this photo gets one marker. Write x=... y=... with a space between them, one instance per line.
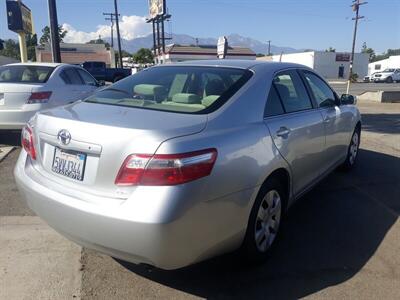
x=186 y=89
x=25 y=74
x=323 y=94
x=291 y=91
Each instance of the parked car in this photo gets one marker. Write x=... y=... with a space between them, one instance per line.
x=179 y=163
x=99 y=71
x=26 y=88
x=369 y=78
x=388 y=75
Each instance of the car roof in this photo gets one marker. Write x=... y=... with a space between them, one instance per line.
x=239 y=63
x=38 y=64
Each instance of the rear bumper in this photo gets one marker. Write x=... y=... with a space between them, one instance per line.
x=17 y=118
x=174 y=237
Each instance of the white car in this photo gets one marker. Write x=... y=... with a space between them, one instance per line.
x=26 y=88
x=388 y=75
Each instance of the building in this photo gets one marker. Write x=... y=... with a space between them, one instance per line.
x=380 y=65
x=78 y=53
x=328 y=64
x=177 y=53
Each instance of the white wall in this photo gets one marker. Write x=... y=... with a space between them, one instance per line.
x=303 y=58
x=380 y=65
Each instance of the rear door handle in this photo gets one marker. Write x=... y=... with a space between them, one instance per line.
x=283 y=132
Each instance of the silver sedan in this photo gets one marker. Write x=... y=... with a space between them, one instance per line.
x=179 y=163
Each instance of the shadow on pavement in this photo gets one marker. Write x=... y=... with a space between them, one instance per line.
x=10 y=138
x=381 y=123
x=328 y=237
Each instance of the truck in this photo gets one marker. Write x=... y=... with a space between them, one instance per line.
x=99 y=71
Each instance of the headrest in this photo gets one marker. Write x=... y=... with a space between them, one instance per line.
x=148 y=89
x=207 y=101
x=186 y=98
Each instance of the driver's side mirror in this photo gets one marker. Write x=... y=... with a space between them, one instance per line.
x=101 y=83
x=347 y=99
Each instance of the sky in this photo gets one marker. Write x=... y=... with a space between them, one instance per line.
x=301 y=24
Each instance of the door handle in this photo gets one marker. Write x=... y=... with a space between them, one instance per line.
x=327 y=120
x=283 y=132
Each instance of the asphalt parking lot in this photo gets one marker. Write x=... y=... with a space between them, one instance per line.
x=341 y=240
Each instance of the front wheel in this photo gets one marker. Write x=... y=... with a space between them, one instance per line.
x=265 y=221
x=352 y=151
x=389 y=80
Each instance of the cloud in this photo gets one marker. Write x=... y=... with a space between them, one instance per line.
x=130 y=27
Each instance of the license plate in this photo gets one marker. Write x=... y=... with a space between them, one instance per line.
x=69 y=163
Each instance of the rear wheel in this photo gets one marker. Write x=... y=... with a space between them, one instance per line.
x=389 y=79
x=265 y=221
x=352 y=151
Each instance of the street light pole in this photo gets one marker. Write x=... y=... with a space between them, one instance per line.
x=118 y=35
x=55 y=39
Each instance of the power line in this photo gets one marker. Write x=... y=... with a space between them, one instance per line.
x=356 y=7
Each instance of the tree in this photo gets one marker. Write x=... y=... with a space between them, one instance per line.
x=369 y=51
x=387 y=54
x=143 y=56
x=45 y=38
x=10 y=49
x=330 y=49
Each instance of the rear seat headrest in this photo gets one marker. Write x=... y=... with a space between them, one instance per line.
x=186 y=98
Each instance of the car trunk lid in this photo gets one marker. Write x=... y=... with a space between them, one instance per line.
x=15 y=95
x=105 y=135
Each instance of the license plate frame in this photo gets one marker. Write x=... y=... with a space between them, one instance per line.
x=65 y=163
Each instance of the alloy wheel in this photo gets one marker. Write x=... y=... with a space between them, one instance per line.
x=354 y=148
x=268 y=220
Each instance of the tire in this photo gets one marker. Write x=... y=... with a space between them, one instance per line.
x=265 y=221
x=352 y=152
x=389 y=80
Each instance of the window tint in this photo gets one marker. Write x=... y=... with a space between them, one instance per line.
x=323 y=94
x=185 y=89
x=292 y=91
x=71 y=76
x=274 y=105
x=25 y=74
x=87 y=78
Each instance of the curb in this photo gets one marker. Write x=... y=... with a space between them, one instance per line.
x=4 y=151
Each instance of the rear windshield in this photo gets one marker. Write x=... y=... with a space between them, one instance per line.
x=25 y=74
x=184 y=89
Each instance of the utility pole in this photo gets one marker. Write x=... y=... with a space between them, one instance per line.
x=112 y=19
x=55 y=38
x=118 y=35
x=269 y=47
x=356 y=6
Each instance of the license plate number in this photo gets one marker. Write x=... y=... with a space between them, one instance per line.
x=69 y=163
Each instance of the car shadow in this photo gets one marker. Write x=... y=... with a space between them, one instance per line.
x=10 y=138
x=328 y=236
x=381 y=123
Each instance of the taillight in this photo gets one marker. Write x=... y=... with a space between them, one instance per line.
x=39 y=97
x=27 y=141
x=166 y=169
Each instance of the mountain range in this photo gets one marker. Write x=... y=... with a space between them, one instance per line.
x=184 y=39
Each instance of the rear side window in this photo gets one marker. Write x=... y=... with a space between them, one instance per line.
x=71 y=76
x=25 y=74
x=274 y=104
x=291 y=91
x=184 y=89
x=323 y=94
x=87 y=78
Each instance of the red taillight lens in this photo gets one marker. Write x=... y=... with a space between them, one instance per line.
x=166 y=169
x=39 y=97
x=27 y=141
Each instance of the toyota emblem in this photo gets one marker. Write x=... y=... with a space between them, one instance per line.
x=64 y=137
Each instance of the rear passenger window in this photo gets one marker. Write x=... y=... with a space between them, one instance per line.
x=292 y=91
x=274 y=105
x=71 y=76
